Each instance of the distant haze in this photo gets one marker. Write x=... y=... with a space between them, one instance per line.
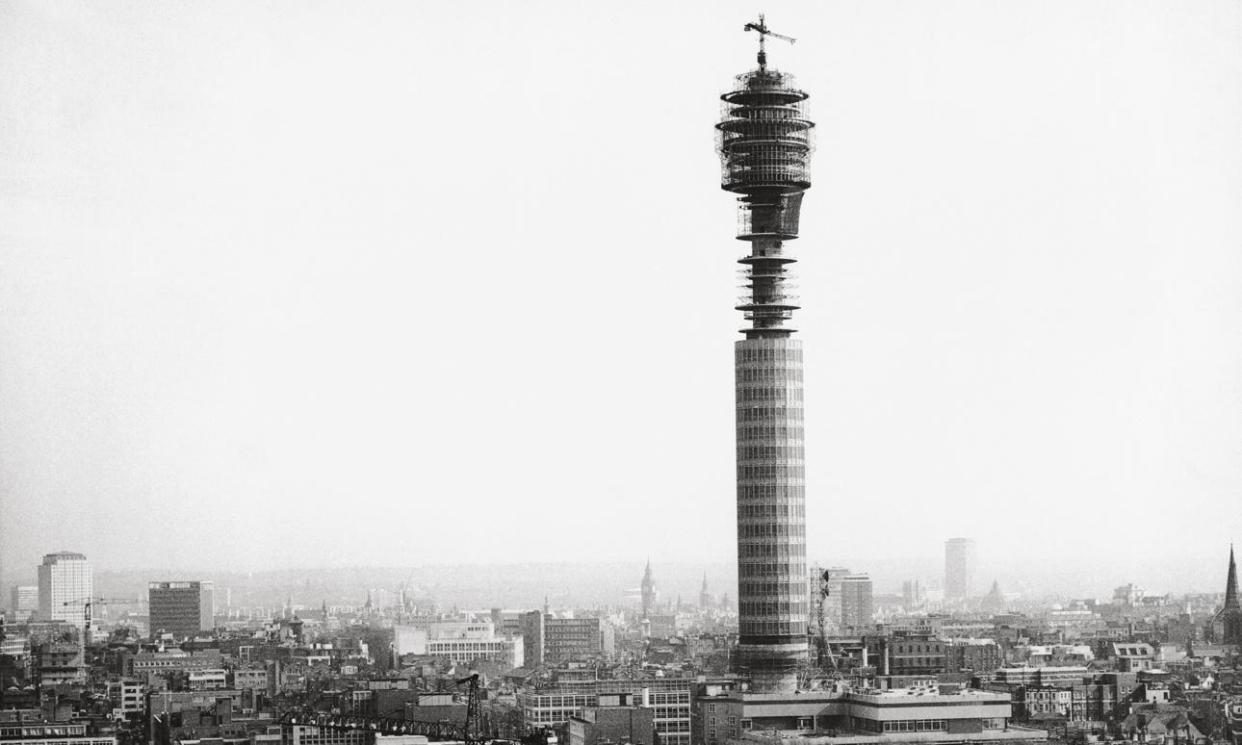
x=422 y=284
x=602 y=585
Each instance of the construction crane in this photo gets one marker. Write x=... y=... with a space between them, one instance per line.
x=822 y=647
x=764 y=32
x=467 y=731
x=87 y=604
x=84 y=639
x=470 y=732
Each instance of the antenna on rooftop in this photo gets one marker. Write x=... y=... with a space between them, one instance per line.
x=764 y=33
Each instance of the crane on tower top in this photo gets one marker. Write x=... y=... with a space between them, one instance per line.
x=764 y=32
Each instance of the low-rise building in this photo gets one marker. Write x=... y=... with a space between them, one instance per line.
x=198 y=715
x=128 y=697
x=669 y=700
x=972 y=655
x=851 y=716
x=1132 y=657
x=299 y=735
x=907 y=654
x=460 y=642
x=45 y=733
x=250 y=679
x=1072 y=694
x=615 y=720
x=144 y=664
x=208 y=680
x=1042 y=676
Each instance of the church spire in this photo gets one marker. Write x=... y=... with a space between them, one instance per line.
x=1231 y=584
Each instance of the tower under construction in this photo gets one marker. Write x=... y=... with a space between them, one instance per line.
x=764 y=141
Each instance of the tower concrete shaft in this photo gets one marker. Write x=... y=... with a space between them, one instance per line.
x=764 y=140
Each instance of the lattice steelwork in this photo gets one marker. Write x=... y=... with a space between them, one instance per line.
x=764 y=142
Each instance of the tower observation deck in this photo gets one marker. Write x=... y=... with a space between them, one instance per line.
x=764 y=141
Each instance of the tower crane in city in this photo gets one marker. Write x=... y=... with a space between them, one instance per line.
x=823 y=648
x=84 y=639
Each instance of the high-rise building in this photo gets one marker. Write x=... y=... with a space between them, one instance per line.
x=1230 y=616
x=846 y=598
x=764 y=141
x=959 y=568
x=24 y=602
x=856 y=602
x=66 y=584
x=183 y=609
x=912 y=595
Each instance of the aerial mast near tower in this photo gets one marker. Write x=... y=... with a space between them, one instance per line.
x=764 y=141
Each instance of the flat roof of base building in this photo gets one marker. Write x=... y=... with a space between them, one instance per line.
x=873 y=696
x=1011 y=736
x=906 y=703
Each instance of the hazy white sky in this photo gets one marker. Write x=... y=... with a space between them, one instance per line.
x=401 y=283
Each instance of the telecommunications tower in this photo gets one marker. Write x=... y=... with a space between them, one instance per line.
x=764 y=140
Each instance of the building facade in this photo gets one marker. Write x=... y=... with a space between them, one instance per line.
x=128 y=697
x=972 y=655
x=1076 y=694
x=858 y=716
x=548 y=640
x=506 y=652
x=668 y=699
x=907 y=655
x=66 y=585
x=24 y=602
x=846 y=597
x=183 y=609
x=616 y=720
x=49 y=733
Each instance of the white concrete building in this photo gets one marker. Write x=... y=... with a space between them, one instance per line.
x=66 y=584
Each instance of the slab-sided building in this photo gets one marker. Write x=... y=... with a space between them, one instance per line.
x=66 y=585
x=183 y=609
x=550 y=640
x=669 y=700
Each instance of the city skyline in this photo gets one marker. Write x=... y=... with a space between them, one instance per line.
x=228 y=235
x=572 y=583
